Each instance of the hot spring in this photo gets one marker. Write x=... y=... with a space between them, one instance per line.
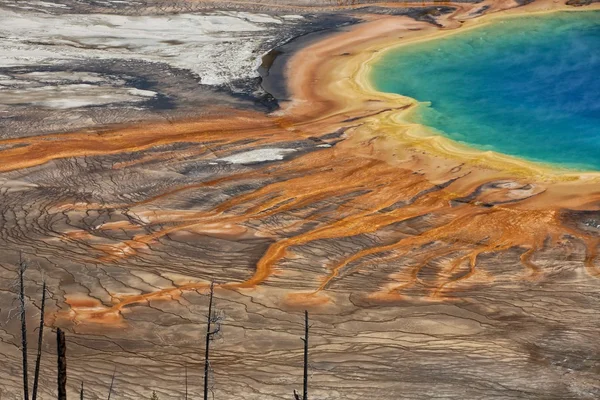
x=523 y=86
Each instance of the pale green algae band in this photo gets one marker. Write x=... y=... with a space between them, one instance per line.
x=524 y=86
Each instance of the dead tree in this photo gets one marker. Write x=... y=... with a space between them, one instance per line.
x=61 y=348
x=38 y=359
x=213 y=327
x=22 y=268
x=112 y=381
x=81 y=392
x=305 y=340
x=208 y=338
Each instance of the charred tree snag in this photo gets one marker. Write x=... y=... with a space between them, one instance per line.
x=305 y=381
x=112 y=381
x=61 y=348
x=22 y=268
x=305 y=385
x=209 y=335
x=213 y=327
x=38 y=359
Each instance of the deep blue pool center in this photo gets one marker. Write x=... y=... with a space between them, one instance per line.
x=524 y=86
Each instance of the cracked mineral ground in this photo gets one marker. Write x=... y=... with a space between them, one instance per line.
x=150 y=147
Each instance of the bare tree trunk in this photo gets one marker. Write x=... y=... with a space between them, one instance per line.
x=305 y=380
x=208 y=337
x=62 y=364
x=81 y=392
x=305 y=388
x=112 y=381
x=22 y=267
x=38 y=359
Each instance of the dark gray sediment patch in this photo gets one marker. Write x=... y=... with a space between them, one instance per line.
x=272 y=69
x=163 y=7
x=580 y=3
x=425 y=14
x=177 y=93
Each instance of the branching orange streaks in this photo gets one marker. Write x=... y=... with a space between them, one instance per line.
x=456 y=264
x=452 y=210
x=500 y=227
x=526 y=261
x=33 y=151
x=381 y=194
x=472 y=257
x=362 y=222
x=299 y=194
x=289 y=194
x=93 y=311
x=413 y=276
x=470 y=226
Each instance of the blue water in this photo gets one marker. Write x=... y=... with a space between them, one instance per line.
x=525 y=86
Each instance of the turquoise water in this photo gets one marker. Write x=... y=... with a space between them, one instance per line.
x=525 y=86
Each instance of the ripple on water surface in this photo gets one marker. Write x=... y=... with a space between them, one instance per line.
x=523 y=86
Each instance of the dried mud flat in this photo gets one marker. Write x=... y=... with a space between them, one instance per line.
x=425 y=276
